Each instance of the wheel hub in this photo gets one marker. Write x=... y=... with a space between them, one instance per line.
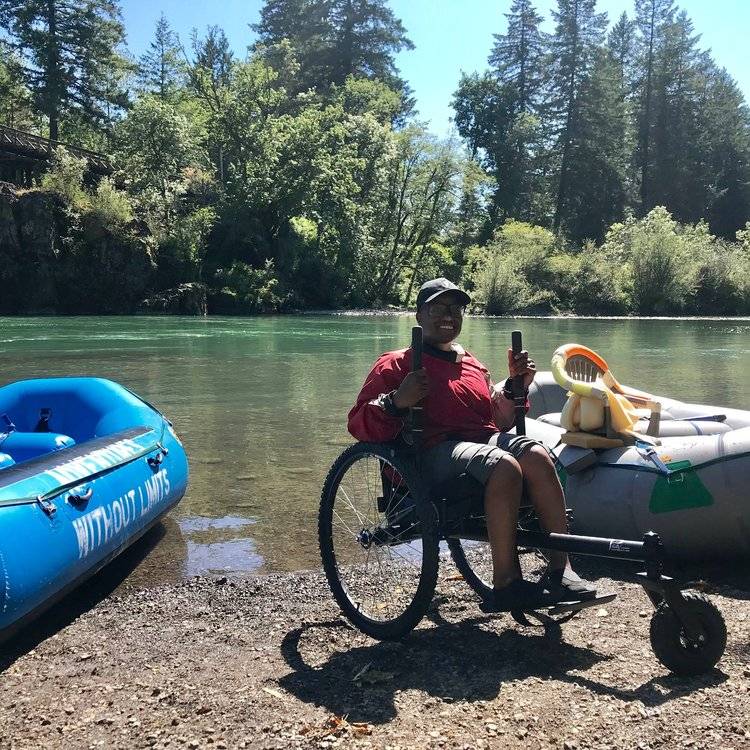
x=365 y=538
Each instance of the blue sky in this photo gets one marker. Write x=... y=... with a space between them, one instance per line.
x=450 y=36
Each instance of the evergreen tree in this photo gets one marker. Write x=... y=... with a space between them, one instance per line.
x=367 y=35
x=517 y=57
x=16 y=110
x=517 y=62
x=212 y=56
x=651 y=18
x=579 y=32
x=69 y=50
x=621 y=43
x=498 y=113
x=159 y=68
x=335 y=39
x=596 y=174
x=727 y=158
x=621 y=48
x=678 y=179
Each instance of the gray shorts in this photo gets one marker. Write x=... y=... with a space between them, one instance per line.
x=450 y=458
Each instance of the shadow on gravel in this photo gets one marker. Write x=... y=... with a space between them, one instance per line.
x=81 y=599
x=453 y=662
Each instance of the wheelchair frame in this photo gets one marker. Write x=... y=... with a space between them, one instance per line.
x=688 y=633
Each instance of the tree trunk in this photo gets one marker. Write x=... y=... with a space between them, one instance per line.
x=569 y=123
x=52 y=72
x=645 y=135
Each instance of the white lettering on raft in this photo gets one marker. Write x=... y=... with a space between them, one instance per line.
x=96 y=461
x=97 y=527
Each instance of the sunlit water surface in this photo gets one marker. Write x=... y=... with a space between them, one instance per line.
x=261 y=404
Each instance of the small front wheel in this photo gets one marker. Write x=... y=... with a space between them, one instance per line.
x=681 y=654
x=378 y=540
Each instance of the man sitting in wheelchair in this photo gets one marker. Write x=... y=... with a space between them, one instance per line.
x=466 y=419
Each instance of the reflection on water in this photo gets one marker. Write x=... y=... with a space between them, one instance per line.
x=219 y=545
x=211 y=558
x=261 y=403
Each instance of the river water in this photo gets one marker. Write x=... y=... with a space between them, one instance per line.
x=261 y=404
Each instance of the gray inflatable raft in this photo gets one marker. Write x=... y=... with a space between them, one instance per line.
x=693 y=489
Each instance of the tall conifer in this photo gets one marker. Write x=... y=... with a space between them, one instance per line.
x=517 y=57
x=333 y=39
x=651 y=18
x=69 y=51
x=579 y=32
x=159 y=68
x=517 y=62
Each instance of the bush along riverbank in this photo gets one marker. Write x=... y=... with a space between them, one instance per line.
x=68 y=247
x=269 y=663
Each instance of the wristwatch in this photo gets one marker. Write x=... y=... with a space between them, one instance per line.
x=385 y=401
x=508 y=389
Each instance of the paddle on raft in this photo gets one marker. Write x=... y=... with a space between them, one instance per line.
x=416 y=420
x=519 y=393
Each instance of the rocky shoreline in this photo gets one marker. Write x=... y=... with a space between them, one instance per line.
x=269 y=663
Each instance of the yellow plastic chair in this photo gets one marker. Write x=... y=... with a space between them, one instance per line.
x=600 y=412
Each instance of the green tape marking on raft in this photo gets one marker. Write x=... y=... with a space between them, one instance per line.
x=680 y=490
x=562 y=475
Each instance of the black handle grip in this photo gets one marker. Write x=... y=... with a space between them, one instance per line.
x=416 y=348
x=415 y=413
x=516 y=343
x=519 y=393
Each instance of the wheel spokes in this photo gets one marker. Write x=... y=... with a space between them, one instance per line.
x=378 y=553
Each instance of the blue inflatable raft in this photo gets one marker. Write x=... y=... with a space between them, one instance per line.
x=86 y=468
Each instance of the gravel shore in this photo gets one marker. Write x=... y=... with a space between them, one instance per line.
x=268 y=663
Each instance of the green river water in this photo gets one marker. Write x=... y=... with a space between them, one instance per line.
x=261 y=404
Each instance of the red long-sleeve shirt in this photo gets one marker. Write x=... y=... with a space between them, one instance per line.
x=459 y=404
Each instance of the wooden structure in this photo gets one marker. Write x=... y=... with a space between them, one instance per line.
x=24 y=156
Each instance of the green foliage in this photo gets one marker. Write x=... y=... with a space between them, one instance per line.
x=16 y=105
x=257 y=290
x=65 y=178
x=110 y=206
x=334 y=40
x=156 y=143
x=361 y=96
x=590 y=283
x=160 y=68
x=499 y=288
x=299 y=162
x=182 y=252
x=70 y=51
x=578 y=133
x=743 y=237
x=513 y=273
x=662 y=264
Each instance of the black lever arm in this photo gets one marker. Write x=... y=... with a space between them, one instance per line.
x=416 y=415
x=519 y=392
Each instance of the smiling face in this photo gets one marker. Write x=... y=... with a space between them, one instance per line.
x=441 y=320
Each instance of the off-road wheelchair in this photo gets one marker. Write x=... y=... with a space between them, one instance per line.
x=381 y=525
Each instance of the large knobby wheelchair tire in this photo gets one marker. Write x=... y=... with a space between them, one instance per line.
x=381 y=563
x=675 y=651
x=478 y=575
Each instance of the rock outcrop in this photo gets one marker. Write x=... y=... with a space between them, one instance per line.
x=52 y=259
x=185 y=299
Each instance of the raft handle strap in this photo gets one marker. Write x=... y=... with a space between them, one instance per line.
x=44 y=416
x=49 y=508
x=79 y=498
